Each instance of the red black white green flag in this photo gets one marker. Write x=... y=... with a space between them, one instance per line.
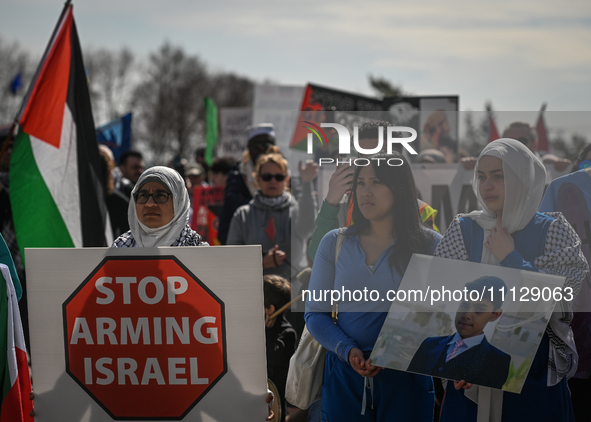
x=15 y=387
x=55 y=169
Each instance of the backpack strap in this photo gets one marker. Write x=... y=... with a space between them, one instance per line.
x=338 y=247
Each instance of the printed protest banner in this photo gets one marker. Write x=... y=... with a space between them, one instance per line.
x=147 y=334
x=207 y=204
x=274 y=104
x=435 y=118
x=317 y=100
x=233 y=122
x=436 y=304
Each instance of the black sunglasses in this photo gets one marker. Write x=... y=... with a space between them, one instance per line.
x=268 y=176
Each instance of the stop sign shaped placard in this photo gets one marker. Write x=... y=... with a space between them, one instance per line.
x=144 y=337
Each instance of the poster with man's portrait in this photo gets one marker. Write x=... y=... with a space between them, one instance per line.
x=435 y=118
x=467 y=321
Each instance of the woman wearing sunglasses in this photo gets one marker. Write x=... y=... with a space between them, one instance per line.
x=267 y=219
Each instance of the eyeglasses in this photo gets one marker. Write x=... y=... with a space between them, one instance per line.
x=584 y=164
x=159 y=197
x=268 y=176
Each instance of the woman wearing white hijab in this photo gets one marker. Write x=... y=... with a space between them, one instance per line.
x=159 y=212
x=509 y=184
x=156 y=219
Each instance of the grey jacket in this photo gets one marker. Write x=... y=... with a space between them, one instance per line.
x=288 y=224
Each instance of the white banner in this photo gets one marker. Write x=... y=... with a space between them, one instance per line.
x=280 y=104
x=106 y=343
x=233 y=122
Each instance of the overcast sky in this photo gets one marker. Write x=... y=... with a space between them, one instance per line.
x=515 y=53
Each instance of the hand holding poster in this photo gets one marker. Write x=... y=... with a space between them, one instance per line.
x=467 y=321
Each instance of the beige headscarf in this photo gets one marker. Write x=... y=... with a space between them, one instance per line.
x=167 y=234
x=525 y=177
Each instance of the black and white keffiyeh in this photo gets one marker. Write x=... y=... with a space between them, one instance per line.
x=166 y=234
x=563 y=257
x=176 y=232
x=188 y=237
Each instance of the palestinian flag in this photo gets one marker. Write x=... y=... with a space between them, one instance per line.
x=16 y=381
x=493 y=133
x=541 y=132
x=55 y=169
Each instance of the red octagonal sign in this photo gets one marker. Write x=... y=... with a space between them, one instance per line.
x=144 y=337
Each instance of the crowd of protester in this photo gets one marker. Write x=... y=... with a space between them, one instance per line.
x=266 y=203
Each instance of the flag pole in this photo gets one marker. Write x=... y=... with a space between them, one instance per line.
x=6 y=140
x=542 y=110
x=542 y=142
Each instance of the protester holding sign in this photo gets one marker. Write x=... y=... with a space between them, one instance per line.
x=375 y=252
x=155 y=218
x=509 y=183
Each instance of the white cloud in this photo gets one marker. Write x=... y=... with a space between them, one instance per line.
x=477 y=49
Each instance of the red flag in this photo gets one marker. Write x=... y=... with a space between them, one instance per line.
x=493 y=133
x=541 y=132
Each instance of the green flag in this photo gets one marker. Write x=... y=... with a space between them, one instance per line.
x=211 y=129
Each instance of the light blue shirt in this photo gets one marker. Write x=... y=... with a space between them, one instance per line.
x=359 y=321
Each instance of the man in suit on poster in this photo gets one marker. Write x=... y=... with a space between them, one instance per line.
x=467 y=354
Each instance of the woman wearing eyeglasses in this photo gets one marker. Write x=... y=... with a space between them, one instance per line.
x=159 y=212
x=267 y=219
x=158 y=216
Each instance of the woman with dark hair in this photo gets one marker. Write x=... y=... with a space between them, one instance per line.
x=374 y=254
